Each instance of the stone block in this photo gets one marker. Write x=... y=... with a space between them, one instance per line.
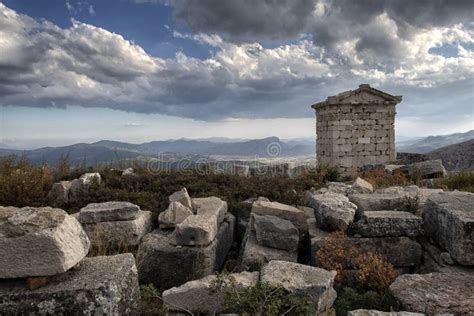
x=173 y=215
x=120 y=234
x=274 y=232
x=182 y=197
x=210 y=206
x=197 y=296
x=376 y=202
x=387 y=224
x=96 y=286
x=196 y=230
x=372 y=312
x=311 y=283
x=39 y=241
x=290 y=213
x=426 y=169
x=362 y=186
x=108 y=211
x=364 y=140
x=449 y=220
x=333 y=210
x=59 y=193
x=161 y=262
x=435 y=293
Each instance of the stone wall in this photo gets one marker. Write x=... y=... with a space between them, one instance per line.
x=352 y=135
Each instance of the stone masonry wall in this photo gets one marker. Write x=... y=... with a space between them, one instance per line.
x=353 y=135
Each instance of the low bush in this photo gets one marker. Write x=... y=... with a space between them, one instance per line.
x=463 y=181
x=151 y=301
x=379 y=178
x=349 y=299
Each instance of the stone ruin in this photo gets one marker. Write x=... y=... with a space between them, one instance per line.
x=356 y=128
x=44 y=269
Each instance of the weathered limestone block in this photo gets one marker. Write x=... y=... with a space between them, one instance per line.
x=426 y=169
x=290 y=213
x=161 y=262
x=372 y=312
x=336 y=187
x=182 y=197
x=39 y=242
x=108 y=211
x=449 y=220
x=333 y=210
x=210 y=206
x=274 y=232
x=362 y=186
x=96 y=286
x=80 y=185
x=376 y=202
x=387 y=224
x=59 y=193
x=196 y=230
x=399 y=251
x=120 y=234
x=309 y=282
x=197 y=296
x=254 y=255
x=435 y=293
x=173 y=215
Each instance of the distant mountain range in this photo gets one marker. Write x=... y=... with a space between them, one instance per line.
x=456 y=157
x=430 y=143
x=107 y=151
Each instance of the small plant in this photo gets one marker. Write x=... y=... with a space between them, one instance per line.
x=151 y=301
x=374 y=272
x=101 y=245
x=410 y=204
x=379 y=178
x=349 y=299
x=463 y=181
x=259 y=299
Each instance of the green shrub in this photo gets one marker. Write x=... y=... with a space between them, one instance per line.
x=463 y=181
x=349 y=299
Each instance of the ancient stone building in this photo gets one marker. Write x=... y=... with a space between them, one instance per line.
x=355 y=128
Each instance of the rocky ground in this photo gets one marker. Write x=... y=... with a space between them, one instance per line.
x=422 y=237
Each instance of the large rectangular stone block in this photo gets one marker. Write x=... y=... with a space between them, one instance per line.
x=96 y=286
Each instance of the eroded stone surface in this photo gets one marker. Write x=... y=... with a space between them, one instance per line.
x=387 y=224
x=182 y=197
x=290 y=213
x=96 y=286
x=376 y=202
x=313 y=283
x=435 y=293
x=362 y=186
x=274 y=232
x=39 y=242
x=449 y=220
x=210 y=206
x=196 y=296
x=173 y=215
x=426 y=169
x=196 y=230
x=108 y=211
x=372 y=312
x=59 y=193
x=333 y=210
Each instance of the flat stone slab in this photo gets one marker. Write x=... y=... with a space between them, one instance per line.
x=274 y=232
x=426 y=169
x=333 y=210
x=108 y=211
x=449 y=220
x=387 y=224
x=254 y=255
x=309 y=282
x=161 y=262
x=196 y=296
x=399 y=251
x=376 y=202
x=435 y=293
x=290 y=213
x=120 y=234
x=210 y=206
x=182 y=197
x=39 y=241
x=196 y=230
x=372 y=312
x=96 y=286
x=173 y=215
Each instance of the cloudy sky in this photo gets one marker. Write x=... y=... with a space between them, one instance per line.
x=141 y=70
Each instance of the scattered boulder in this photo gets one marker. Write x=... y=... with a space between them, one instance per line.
x=196 y=230
x=362 y=186
x=449 y=220
x=290 y=213
x=173 y=215
x=274 y=232
x=120 y=234
x=96 y=286
x=336 y=187
x=59 y=193
x=39 y=241
x=81 y=185
x=197 y=296
x=426 y=169
x=387 y=224
x=309 y=282
x=372 y=312
x=161 y=262
x=333 y=210
x=435 y=293
x=108 y=211
x=376 y=202
x=210 y=206
x=182 y=197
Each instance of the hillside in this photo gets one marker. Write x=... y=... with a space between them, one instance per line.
x=431 y=143
x=456 y=157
